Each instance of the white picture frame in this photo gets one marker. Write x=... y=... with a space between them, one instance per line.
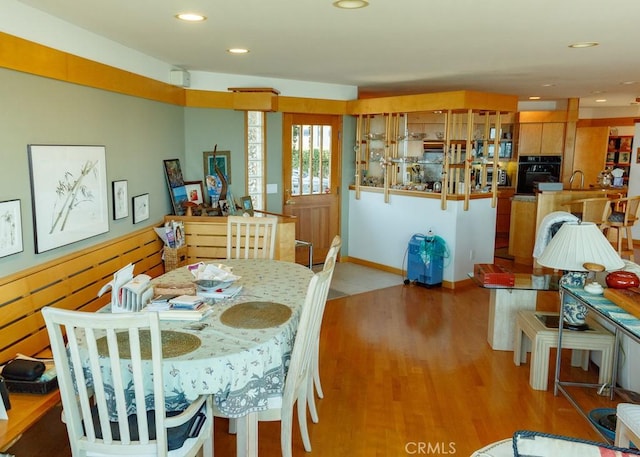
x=120 y=199
x=140 y=205
x=69 y=193
x=10 y=228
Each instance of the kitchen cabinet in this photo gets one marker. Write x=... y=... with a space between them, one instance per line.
x=523 y=229
x=541 y=138
x=503 y=212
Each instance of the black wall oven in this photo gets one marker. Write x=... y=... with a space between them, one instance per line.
x=534 y=169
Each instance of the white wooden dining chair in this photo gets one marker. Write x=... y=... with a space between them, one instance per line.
x=300 y=370
x=251 y=237
x=299 y=376
x=108 y=357
x=314 y=381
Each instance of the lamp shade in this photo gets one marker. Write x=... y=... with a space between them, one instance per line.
x=577 y=243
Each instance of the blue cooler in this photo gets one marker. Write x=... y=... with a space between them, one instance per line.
x=424 y=273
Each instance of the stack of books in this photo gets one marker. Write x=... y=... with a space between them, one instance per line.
x=179 y=307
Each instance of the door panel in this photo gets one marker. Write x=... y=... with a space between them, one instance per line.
x=311 y=178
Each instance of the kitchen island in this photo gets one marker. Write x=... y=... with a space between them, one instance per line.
x=527 y=212
x=379 y=232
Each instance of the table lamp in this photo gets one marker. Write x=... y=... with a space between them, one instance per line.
x=580 y=247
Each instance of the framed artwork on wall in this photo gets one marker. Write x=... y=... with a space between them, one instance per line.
x=120 y=199
x=69 y=194
x=175 y=182
x=10 y=228
x=223 y=160
x=140 y=204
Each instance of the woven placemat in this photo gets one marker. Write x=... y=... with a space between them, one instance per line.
x=256 y=314
x=173 y=343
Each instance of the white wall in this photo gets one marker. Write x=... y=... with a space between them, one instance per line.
x=380 y=232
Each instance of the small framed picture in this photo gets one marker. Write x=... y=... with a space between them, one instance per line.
x=120 y=199
x=224 y=207
x=625 y=158
x=247 y=205
x=194 y=191
x=10 y=228
x=140 y=204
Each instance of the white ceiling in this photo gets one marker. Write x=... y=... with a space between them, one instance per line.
x=392 y=46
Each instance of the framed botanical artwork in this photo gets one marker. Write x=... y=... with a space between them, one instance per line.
x=175 y=180
x=120 y=199
x=10 y=228
x=194 y=192
x=223 y=160
x=140 y=204
x=69 y=194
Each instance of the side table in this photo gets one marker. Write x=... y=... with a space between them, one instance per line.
x=506 y=301
x=543 y=338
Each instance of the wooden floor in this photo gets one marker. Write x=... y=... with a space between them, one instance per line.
x=402 y=366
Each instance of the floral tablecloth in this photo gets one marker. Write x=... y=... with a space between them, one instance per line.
x=242 y=368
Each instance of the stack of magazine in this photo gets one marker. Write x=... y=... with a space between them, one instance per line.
x=179 y=307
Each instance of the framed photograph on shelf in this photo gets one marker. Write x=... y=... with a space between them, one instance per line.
x=625 y=158
x=120 y=199
x=175 y=180
x=611 y=157
x=10 y=228
x=194 y=192
x=140 y=204
x=223 y=160
x=247 y=205
x=69 y=194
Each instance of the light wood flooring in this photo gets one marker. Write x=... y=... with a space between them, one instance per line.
x=401 y=366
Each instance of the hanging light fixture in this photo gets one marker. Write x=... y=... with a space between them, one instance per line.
x=351 y=4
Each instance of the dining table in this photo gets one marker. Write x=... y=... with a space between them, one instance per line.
x=239 y=352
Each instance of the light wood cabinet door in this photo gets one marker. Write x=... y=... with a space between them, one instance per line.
x=552 y=139
x=541 y=138
x=590 y=153
x=530 y=139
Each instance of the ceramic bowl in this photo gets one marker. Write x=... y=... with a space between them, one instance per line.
x=622 y=279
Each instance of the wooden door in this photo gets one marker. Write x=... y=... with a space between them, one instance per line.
x=589 y=154
x=311 y=179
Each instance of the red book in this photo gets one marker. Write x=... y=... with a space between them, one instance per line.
x=493 y=275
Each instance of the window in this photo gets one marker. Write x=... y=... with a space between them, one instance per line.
x=256 y=157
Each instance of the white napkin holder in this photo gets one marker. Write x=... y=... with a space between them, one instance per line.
x=128 y=294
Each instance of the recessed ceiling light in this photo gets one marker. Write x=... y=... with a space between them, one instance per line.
x=548 y=85
x=237 y=51
x=534 y=97
x=601 y=100
x=628 y=83
x=191 y=17
x=584 y=44
x=351 y=4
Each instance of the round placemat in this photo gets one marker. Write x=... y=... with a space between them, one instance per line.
x=173 y=343
x=256 y=314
